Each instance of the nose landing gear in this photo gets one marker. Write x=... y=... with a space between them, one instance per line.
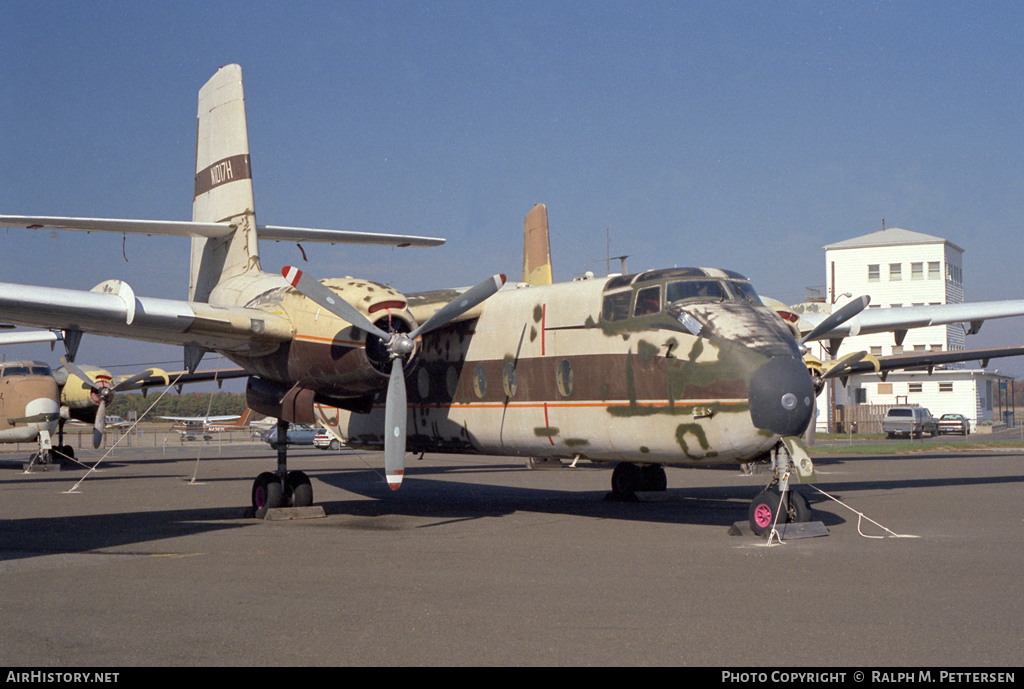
x=778 y=503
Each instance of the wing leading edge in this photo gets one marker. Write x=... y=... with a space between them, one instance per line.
x=908 y=317
x=120 y=314
x=862 y=362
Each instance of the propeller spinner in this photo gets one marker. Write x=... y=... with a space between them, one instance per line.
x=102 y=393
x=399 y=346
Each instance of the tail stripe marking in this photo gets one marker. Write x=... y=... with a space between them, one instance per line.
x=230 y=169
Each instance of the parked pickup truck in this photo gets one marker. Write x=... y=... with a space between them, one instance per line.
x=912 y=422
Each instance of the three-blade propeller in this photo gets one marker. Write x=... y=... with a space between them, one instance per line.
x=102 y=392
x=837 y=318
x=399 y=346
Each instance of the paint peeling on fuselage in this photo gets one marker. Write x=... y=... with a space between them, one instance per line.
x=586 y=386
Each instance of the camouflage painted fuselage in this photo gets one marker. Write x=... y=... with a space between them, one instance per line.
x=585 y=369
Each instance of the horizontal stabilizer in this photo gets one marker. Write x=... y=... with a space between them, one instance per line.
x=181 y=228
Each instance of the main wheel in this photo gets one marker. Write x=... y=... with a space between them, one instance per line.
x=652 y=477
x=267 y=491
x=765 y=511
x=626 y=480
x=299 y=489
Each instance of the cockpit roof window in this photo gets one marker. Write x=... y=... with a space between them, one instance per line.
x=695 y=290
x=669 y=274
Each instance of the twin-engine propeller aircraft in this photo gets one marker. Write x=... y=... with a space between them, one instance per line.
x=36 y=401
x=676 y=367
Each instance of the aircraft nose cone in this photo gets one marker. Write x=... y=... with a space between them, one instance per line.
x=782 y=396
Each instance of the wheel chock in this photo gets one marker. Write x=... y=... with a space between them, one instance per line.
x=280 y=514
x=786 y=532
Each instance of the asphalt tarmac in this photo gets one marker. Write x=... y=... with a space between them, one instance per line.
x=481 y=561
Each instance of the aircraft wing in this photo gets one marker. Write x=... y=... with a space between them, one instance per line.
x=212 y=230
x=29 y=337
x=862 y=362
x=112 y=308
x=201 y=419
x=160 y=378
x=907 y=317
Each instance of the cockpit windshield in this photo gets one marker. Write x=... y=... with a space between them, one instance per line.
x=679 y=287
x=15 y=371
x=695 y=290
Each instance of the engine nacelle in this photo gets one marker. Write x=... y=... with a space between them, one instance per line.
x=291 y=404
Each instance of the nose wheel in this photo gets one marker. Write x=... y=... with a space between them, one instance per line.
x=772 y=507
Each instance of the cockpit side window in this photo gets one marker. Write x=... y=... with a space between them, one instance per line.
x=41 y=371
x=616 y=306
x=695 y=290
x=648 y=301
x=744 y=290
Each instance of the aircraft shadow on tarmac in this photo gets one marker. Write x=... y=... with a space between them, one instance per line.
x=432 y=498
x=40 y=536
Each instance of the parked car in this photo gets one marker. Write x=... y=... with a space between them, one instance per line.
x=912 y=422
x=325 y=441
x=298 y=434
x=954 y=423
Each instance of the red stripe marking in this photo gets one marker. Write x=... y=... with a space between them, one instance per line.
x=546 y=424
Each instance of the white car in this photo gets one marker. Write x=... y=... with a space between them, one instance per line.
x=325 y=441
x=954 y=423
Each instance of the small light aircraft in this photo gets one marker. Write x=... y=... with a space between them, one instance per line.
x=191 y=425
x=675 y=367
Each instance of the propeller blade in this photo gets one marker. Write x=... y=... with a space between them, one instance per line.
x=310 y=288
x=99 y=424
x=458 y=306
x=843 y=366
x=128 y=382
x=838 y=318
x=395 y=417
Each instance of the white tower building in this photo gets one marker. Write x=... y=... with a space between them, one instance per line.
x=899 y=268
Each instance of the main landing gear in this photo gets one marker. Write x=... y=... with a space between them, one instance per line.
x=282 y=488
x=628 y=478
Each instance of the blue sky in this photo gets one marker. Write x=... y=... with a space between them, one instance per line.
x=744 y=135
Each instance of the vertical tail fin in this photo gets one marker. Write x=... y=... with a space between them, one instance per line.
x=223 y=185
x=536 y=247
